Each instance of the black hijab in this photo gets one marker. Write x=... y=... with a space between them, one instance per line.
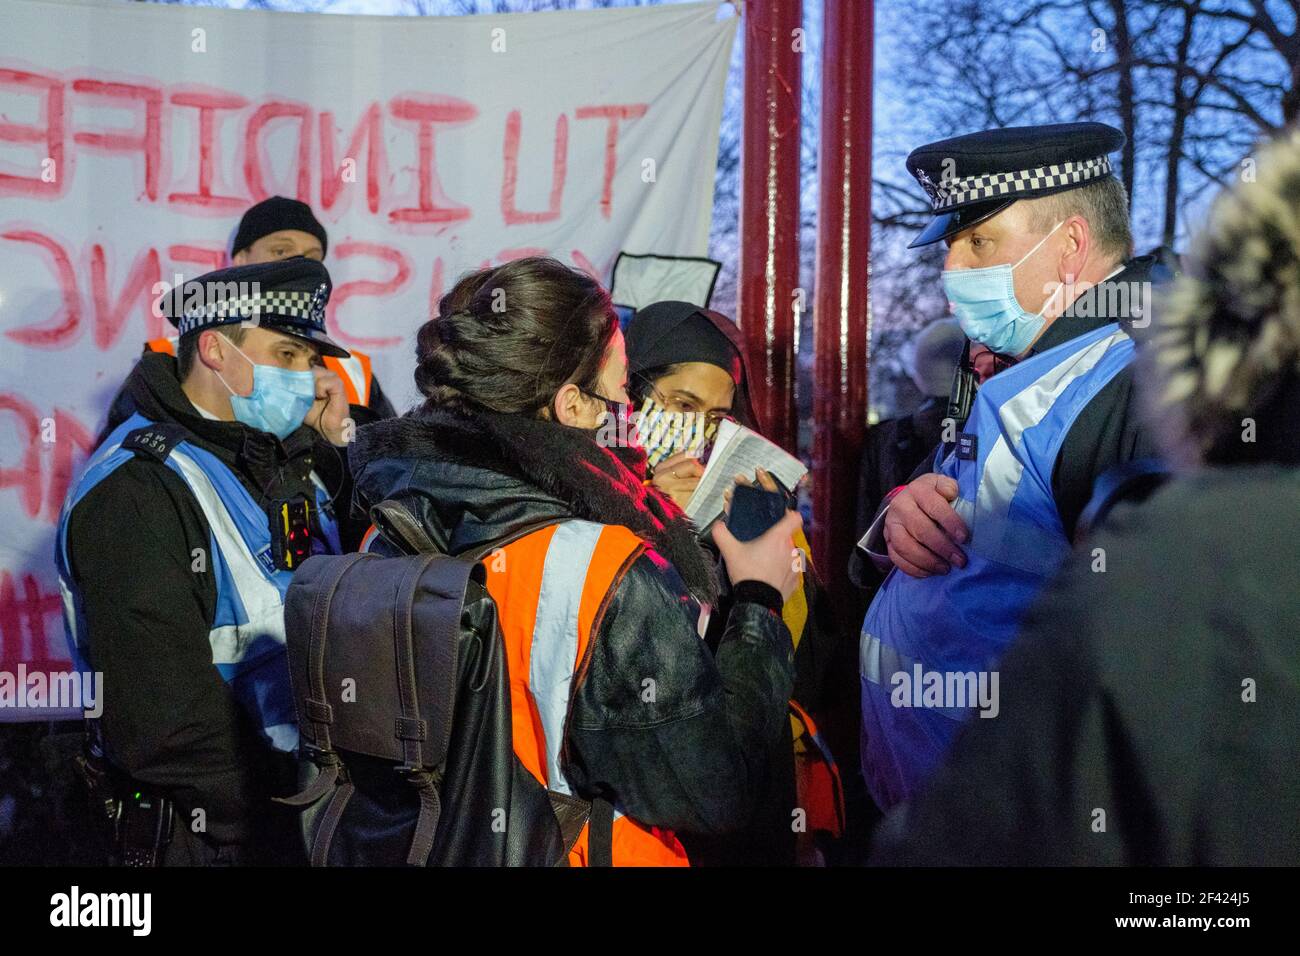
x=670 y=332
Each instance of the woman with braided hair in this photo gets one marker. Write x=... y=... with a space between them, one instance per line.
x=597 y=579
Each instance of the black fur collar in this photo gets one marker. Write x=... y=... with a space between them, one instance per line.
x=565 y=463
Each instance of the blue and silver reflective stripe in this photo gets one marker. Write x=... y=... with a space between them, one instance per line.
x=250 y=605
x=247 y=633
x=102 y=463
x=553 y=659
x=554 y=654
x=878 y=663
x=989 y=494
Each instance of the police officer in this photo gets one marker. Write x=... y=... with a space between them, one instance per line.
x=175 y=549
x=1142 y=704
x=1038 y=273
x=281 y=228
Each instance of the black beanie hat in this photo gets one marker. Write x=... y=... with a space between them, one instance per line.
x=273 y=215
x=668 y=332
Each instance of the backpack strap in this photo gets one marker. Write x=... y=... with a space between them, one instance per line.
x=320 y=715
x=410 y=729
x=600 y=833
x=338 y=802
x=395 y=523
x=318 y=712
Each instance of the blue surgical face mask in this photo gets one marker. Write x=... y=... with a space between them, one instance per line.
x=280 y=399
x=985 y=303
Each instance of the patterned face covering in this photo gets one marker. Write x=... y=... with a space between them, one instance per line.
x=664 y=433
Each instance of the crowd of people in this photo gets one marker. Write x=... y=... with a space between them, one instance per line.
x=1034 y=682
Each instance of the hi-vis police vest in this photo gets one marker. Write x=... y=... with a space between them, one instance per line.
x=353 y=370
x=247 y=630
x=551 y=588
x=929 y=644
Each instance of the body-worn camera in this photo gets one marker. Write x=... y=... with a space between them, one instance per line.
x=291 y=531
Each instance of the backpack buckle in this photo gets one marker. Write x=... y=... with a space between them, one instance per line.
x=321 y=756
x=412 y=772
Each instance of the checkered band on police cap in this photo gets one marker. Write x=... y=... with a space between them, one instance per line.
x=956 y=191
x=295 y=308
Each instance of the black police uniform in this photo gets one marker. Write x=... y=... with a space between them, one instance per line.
x=170 y=721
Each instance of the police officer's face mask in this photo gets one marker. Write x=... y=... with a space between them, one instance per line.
x=986 y=306
x=280 y=400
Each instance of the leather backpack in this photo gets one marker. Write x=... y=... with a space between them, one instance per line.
x=401 y=685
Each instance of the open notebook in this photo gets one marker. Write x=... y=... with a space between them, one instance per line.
x=737 y=450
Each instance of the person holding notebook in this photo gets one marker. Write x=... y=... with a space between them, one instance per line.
x=686 y=375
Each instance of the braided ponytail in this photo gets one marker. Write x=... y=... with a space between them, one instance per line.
x=507 y=338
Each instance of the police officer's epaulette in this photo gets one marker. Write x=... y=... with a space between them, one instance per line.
x=155 y=440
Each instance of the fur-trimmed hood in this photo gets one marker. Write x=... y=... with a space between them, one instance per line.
x=474 y=477
x=1224 y=358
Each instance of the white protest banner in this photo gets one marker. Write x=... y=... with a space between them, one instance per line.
x=133 y=135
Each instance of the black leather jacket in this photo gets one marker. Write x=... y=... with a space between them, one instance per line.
x=689 y=759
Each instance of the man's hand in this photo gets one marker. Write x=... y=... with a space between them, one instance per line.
x=330 y=415
x=678 y=476
x=922 y=529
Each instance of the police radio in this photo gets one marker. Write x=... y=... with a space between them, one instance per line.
x=966 y=381
x=291 y=534
x=964 y=384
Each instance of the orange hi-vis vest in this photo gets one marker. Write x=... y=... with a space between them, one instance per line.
x=354 y=370
x=551 y=589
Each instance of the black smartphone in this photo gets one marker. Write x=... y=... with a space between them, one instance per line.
x=753 y=511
